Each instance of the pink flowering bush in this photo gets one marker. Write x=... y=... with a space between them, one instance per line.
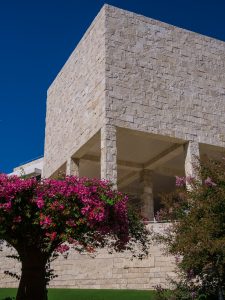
x=39 y=218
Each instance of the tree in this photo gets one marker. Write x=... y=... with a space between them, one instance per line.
x=39 y=218
x=196 y=235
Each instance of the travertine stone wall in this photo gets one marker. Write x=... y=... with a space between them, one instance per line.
x=109 y=153
x=139 y=73
x=75 y=103
x=163 y=79
x=9 y=265
x=192 y=155
x=104 y=271
x=72 y=167
x=147 y=199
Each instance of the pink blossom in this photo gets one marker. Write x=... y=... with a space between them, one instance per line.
x=17 y=219
x=57 y=206
x=62 y=248
x=40 y=203
x=10 y=186
x=208 y=181
x=90 y=249
x=6 y=206
x=71 y=223
x=99 y=214
x=180 y=181
x=85 y=209
x=45 y=221
x=51 y=235
x=63 y=203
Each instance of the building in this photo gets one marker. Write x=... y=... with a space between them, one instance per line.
x=137 y=102
x=31 y=169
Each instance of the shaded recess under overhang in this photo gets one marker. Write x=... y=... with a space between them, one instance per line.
x=136 y=151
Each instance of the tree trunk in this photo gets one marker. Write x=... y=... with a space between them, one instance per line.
x=32 y=284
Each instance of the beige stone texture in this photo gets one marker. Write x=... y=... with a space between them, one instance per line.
x=109 y=153
x=164 y=80
x=75 y=102
x=8 y=265
x=72 y=167
x=103 y=271
x=134 y=72
x=192 y=155
x=147 y=201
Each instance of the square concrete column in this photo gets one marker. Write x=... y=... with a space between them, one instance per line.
x=72 y=167
x=109 y=154
x=192 y=156
x=147 y=200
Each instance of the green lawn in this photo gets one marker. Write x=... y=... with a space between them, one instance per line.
x=75 y=294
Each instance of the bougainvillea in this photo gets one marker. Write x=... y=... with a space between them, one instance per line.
x=38 y=218
x=196 y=235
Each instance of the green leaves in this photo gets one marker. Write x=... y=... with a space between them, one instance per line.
x=198 y=231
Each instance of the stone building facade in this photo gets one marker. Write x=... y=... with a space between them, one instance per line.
x=137 y=102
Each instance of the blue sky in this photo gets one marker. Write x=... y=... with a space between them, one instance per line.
x=37 y=36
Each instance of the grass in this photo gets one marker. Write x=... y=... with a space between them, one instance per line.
x=77 y=294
